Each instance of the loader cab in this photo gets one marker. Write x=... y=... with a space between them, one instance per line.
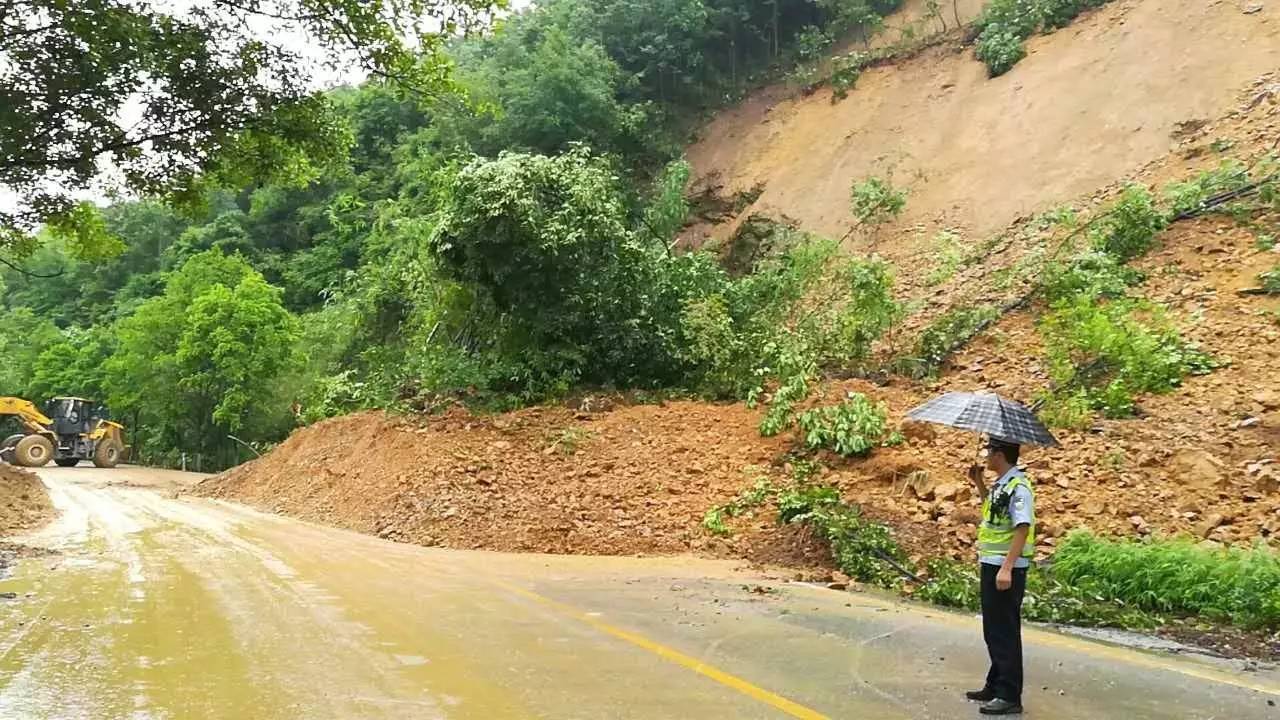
x=72 y=416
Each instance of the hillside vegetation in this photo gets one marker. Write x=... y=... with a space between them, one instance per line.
x=503 y=240
x=514 y=317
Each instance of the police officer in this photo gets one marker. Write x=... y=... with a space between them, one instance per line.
x=1006 y=545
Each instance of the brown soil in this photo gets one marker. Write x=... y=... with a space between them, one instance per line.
x=1091 y=103
x=630 y=480
x=24 y=504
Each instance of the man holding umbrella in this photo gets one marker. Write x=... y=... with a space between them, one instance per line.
x=1006 y=532
x=1006 y=545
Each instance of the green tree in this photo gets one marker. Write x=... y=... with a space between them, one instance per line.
x=167 y=97
x=75 y=365
x=145 y=377
x=235 y=343
x=25 y=335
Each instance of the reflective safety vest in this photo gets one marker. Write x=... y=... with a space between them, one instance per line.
x=995 y=534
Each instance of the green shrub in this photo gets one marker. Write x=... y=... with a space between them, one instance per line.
x=803 y=500
x=1114 y=351
x=781 y=412
x=811 y=43
x=1176 y=575
x=845 y=71
x=950 y=584
x=1129 y=229
x=799 y=310
x=713 y=521
x=852 y=428
x=859 y=546
x=1017 y=17
x=860 y=313
x=1270 y=280
x=875 y=201
x=944 y=336
x=1091 y=274
x=1000 y=49
x=1059 y=13
x=1190 y=196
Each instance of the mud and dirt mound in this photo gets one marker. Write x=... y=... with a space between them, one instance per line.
x=24 y=504
x=634 y=479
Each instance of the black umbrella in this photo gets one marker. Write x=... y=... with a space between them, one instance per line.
x=986 y=413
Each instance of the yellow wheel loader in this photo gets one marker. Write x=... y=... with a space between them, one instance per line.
x=73 y=429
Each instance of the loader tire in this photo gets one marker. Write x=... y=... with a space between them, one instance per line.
x=66 y=462
x=107 y=455
x=34 y=451
x=12 y=441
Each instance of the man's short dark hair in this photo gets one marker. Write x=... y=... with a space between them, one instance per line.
x=1008 y=450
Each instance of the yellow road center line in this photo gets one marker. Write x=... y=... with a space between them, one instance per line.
x=1045 y=638
x=734 y=682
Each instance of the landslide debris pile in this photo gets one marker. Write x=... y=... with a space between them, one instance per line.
x=24 y=504
x=628 y=480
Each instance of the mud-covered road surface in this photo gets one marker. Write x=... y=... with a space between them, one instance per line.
x=156 y=606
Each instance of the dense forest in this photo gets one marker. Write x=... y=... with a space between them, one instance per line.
x=499 y=243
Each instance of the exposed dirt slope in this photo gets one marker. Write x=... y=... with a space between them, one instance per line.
x=1090 y=104
x=24 y=504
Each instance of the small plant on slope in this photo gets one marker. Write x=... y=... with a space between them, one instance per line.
x=863 y=549
x=1270 y=280
x=1130 y=227
x=846 y=70
x=943 y=336
x=1000 y=49
x=875 y=201
x=950 y=257
x=852 y=428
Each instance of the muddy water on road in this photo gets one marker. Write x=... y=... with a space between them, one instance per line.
x=158 y=608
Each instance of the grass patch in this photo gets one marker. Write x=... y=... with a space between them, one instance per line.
x=1176 y=576
x=955 y=584
x=950 y=257
x=1270 y=280
x=567 y=440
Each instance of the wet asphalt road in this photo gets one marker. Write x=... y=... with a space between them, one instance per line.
x=162 y=607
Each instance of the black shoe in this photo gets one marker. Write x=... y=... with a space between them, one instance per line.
x=1000 y=707
x=982 y=695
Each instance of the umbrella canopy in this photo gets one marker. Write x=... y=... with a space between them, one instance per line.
x=986 y=413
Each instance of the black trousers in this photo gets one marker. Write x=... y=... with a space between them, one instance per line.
x=1002 y=629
